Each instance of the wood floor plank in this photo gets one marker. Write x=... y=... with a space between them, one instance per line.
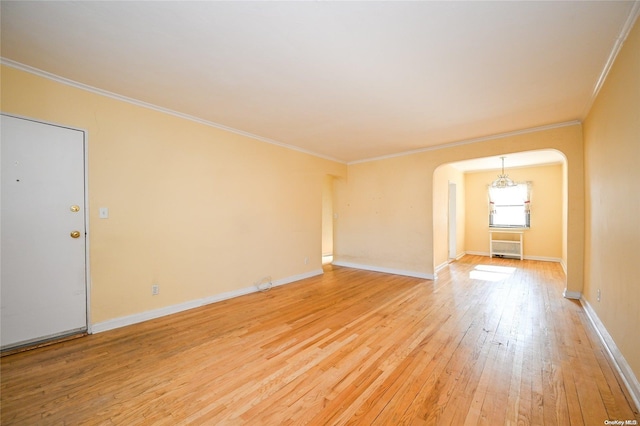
x=491 y=341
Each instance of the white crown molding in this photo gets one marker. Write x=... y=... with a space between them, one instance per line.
x=617 y=46
x=173 y=309
x=82 y=86
x=634 y=13
x=470 y=141
x=142 y=104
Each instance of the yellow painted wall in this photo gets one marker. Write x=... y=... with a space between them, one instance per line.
x=387 y=213
x=327 y=216
x=442 y=176
x=612 y=166
x=544 y=238
x=198 y=210
x=384 y=211
x=565 y=214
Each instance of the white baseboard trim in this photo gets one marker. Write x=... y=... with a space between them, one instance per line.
x=385 y=270
x=564 y=266
x=576 y=295
x=440 y=266
x=294 y=278
x=544 y=259
x=173 y=309
x=620 y=363
x=478 y=253
x=445 y=264
x=540 y=258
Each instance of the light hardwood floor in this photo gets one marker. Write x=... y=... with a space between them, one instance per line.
x=492 y=341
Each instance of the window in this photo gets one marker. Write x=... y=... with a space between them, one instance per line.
x=509 y=207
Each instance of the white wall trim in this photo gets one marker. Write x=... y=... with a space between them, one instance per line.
x=469 y=141
x=97 y=91
x=544 y=258
x=478 y=253
x=442 y=265
x=385 y=270
x=620 y=363
x=294 y=278
x=540 y=258
x=617 y=47
x=445 y=264
x=82 y=86
x=173 y=309
x=575 y=295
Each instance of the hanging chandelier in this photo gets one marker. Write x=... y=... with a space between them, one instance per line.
x=503 y=180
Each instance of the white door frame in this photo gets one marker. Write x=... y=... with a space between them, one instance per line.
x=87 y=273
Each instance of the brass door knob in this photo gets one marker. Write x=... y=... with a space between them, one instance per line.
x=75 y=234
x=74 y=208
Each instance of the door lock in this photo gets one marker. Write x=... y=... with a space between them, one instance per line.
x=75 y=234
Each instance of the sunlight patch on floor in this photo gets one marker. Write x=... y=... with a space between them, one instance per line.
x=491 y=272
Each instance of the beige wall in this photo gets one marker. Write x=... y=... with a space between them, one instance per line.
x=442 y=176
x=612 y=168
x=198 y=210
x=565 y=214
x=382 y=218
x=544 y=240
x=387 y=208
x=327 y=216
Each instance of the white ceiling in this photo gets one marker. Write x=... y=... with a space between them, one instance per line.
x=345 y=80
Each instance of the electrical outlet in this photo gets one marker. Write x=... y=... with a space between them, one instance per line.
x=155 y=290
x=598 y=295
x=306 y=260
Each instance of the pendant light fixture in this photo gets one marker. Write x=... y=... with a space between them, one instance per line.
x=503 y=180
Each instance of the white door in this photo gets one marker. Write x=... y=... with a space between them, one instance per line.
x=43 y=292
